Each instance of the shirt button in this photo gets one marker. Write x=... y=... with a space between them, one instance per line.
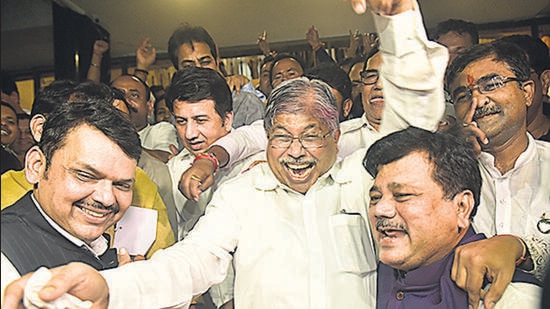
x=400 y=295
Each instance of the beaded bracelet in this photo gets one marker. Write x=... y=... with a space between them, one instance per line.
x=208 y=156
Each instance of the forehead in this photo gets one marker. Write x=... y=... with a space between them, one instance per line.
x=286 y=63
x=410 y=169
x=375 y=62
x=194 y=50
x=190 y=109
x=453 y=38
x=128 y=83
x=482 y=67
x=7 y=112
x=297 y=122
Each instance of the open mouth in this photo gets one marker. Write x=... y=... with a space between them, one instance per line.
x=5 y=132
x=377 y=100
x=299 y=171
x=391 y=233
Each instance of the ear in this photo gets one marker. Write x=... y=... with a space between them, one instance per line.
x=545 y=81
x=464 y=202
x=528 y=88
x=35 y=165
x=37 y=124
x=150 y=106
x=346 y=107
x=228 y=121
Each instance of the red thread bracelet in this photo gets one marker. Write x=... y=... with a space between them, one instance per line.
x=208 y=156
x=524 y=257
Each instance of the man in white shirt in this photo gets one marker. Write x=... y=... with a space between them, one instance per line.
x=157 y=138
x=300 y=201
x=491 y=88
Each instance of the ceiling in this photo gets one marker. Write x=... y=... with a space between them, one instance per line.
x=26 y=24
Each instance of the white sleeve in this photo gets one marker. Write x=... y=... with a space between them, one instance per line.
x=174 y=275
x=9 y=274
x=412 y=73
x=244 y=141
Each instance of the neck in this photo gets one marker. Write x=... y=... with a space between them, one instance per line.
x=508 y=152
x=539 y=126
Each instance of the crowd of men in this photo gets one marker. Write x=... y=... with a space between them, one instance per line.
x=435 y=195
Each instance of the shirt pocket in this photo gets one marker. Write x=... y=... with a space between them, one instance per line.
x=352 y=243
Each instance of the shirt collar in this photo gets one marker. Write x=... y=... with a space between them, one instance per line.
x=488 y=160
x=98 y=246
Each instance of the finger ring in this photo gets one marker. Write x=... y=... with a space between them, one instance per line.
x=465 y=124
x=195 y=177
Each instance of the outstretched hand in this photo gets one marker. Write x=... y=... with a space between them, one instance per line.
x=492 y=259
x=77 y=279
x=146 y=54
x=196 y=179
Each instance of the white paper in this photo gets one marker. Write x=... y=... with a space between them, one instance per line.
x=137 y=230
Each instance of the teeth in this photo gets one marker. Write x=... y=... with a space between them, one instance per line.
x=298 y=166
x=93 y=213
x=4 y=132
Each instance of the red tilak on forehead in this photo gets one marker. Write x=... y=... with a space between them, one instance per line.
x=470 y=79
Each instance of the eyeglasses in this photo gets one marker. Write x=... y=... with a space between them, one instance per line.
x=369 y=77
x=307 y=141
x=484 y=85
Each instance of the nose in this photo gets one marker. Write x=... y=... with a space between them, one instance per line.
x=383 y=209
x=104 y=193
x=378 y=84
x=191 y=130
x=295 y=149
x=478 y=99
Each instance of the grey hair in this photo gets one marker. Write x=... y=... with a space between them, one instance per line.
x=303 y=96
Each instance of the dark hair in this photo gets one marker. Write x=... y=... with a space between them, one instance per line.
x=334 y=76
x=280 y=57
x=8 y=84
x=195 y=84
x=267 y=59
x=455 y=166
x=459 y=26
x=22 y=116
x=10 y=107
x=95 y=113
x=537 y=51
x=51 y=96
x=511 y=54
x=189 y=34
x=89 y=90
x=351 y=61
